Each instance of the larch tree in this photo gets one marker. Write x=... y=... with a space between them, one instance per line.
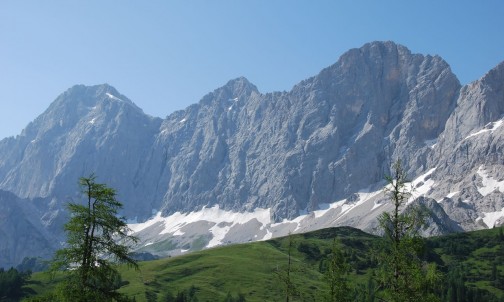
x=402 y=274
x=336 y=276
x=97 y=240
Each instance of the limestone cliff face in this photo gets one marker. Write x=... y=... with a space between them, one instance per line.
x=329 y=138
x=85 y=130
x=331 y=135
x=469 y=154
x=22 y=231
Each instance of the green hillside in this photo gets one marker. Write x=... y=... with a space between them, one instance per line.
x=472 y=265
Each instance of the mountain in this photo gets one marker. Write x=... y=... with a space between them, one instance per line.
x=85 y=130
x=241 y=165
x=22 y=231
x=469 y=155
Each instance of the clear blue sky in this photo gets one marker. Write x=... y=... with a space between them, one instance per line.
x=166 y=55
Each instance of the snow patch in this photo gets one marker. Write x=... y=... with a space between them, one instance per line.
x=113 y=97
x=491 y=218
x=137 y=227
x=175 y=222
x=376 y=205
x=325 y=207
x=268 y=235
x=364 y=196
x=92 y=121
x=218 y=232
x=178 y=233
x=431 y=143
x=221 y=222
x=421 y=185
x=182 y=120
x=489 y=183
x=490 y=127
x=451 y=194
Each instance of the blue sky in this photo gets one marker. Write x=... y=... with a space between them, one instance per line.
x=166 y=55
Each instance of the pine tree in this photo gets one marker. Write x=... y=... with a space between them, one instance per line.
x=97 y=240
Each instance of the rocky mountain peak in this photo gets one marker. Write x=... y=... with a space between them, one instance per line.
x=240 y=85
x=74 y=105
x=326 y=144
x=236 y=89
x=494 y=90
x=479 y=103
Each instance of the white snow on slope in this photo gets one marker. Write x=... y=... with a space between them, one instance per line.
x=175 y=222
x=451 y=194
x=113 y=97
x=268 y=235
x=218 y=232
x=324 y=208
x=489 y=183
x=222 y=222
x=490 y=127
x=422 y=185
x=137 y=227
x=376 y=205
x=431 y=143
x=364 y=196
x=491 y=218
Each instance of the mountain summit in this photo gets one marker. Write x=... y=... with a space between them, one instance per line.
x=311 y=157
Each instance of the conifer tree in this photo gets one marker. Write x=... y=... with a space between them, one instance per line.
x=97 y=240
x=402 y=274
x=284 y=275
x=336 y=276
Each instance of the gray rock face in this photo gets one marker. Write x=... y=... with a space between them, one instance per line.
x=469 y=154
x=22 y=232
x=85 y=130
x=329 y=138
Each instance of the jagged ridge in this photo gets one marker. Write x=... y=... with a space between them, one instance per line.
x=326 y=140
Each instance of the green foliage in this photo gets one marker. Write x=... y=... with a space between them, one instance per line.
x=249 y=269
x=12 y=284
x=188 y=295
x=402 y=274
x=96 y=241
x=33 y=265
x=462 y=267
x=473 y=265
x=239 y=298
x=311 y=250
x=336 y=276
x=284 y=274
